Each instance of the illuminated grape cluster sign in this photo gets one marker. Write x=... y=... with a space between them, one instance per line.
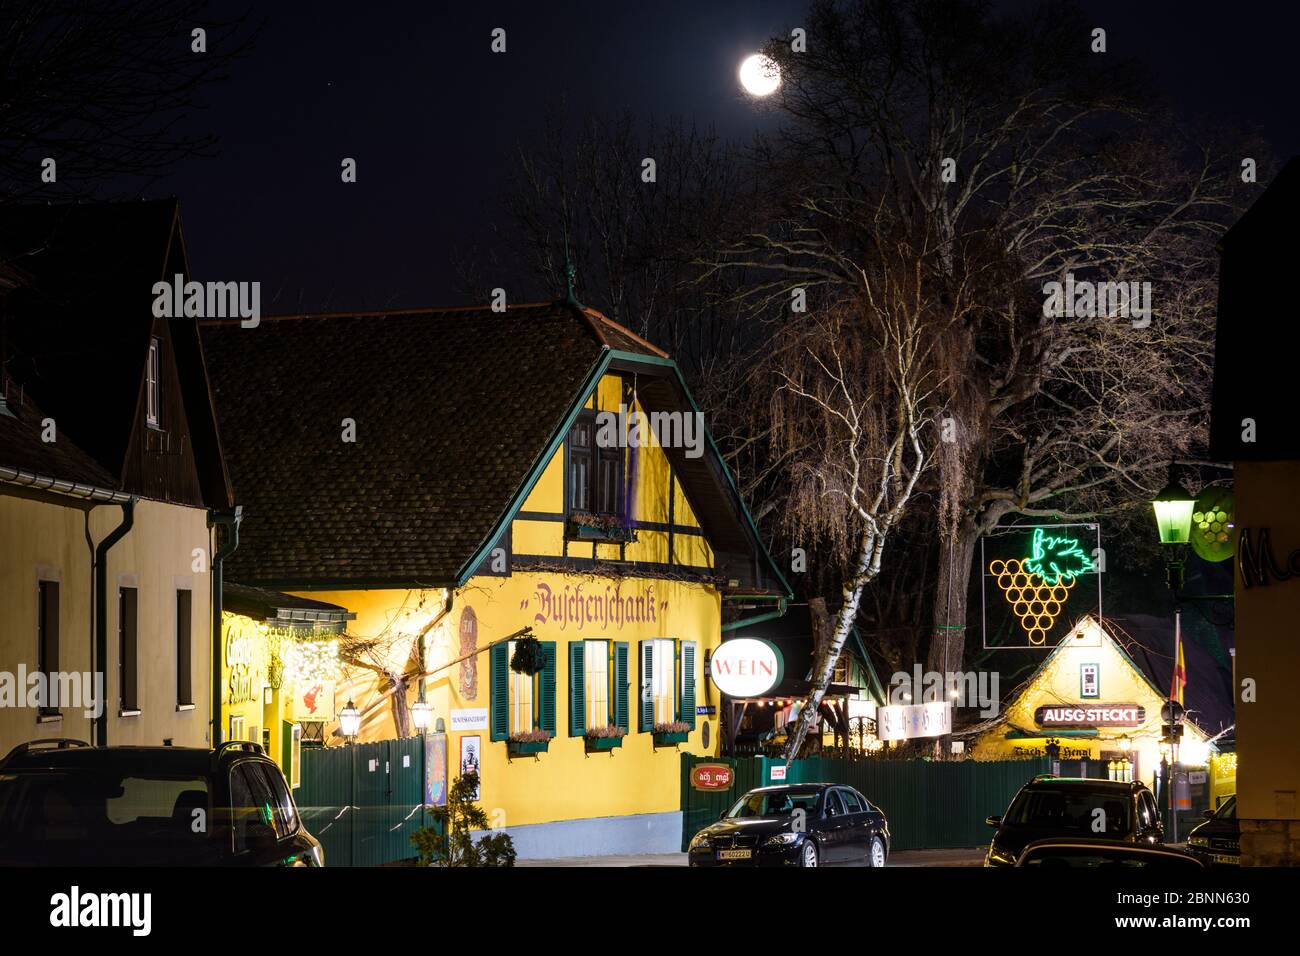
x=1035 y=571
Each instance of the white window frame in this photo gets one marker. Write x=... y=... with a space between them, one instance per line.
x=664 y=684
x=521 y=697
x=153 y=389
x=597 y=698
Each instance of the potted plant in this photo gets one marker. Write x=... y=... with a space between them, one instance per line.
x=528 y=742
x=581 y=526
x=605 y=738
x=671 y=733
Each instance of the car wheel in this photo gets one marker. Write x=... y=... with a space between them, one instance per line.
x=808 y=855
x=876 y=852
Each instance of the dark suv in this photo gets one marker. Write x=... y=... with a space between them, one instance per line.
x=1074 y=807
x=64 y=802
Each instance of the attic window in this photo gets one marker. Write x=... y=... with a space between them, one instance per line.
x=152 y=388
x=595 y=474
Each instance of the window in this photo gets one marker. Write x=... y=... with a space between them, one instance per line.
x=237 y=728
x=520 y=702
x=834 y=806
x=523 y=716
x=285 y=815
x=851 y=802
x=596 y=680
x=581 y=440
x=595 y=474
x=100 y=807
x=667 y=682
x=127 y=647
x=47 y=642
x=153 y=387
x=598 y=685
x=252 y=805
x=184 y=668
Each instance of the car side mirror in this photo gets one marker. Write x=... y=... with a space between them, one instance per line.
x=993 y=821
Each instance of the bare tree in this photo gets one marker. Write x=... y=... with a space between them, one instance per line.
x=103 y=87
x=1008 y=134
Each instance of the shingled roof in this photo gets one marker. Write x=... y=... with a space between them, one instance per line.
x=452 y=409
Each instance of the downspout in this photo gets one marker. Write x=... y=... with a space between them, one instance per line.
x=216 y=520
x=101 y=612
x=782 y=607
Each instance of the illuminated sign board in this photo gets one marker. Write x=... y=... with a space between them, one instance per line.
x=906 y=721
x=1090 y=715
x=746 y=667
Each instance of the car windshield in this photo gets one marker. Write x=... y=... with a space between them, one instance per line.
x=1072 y=808
x=1228 y=811
x=97 y=807
x=774 y=803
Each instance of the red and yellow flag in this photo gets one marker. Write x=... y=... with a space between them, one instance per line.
x=1179 y=680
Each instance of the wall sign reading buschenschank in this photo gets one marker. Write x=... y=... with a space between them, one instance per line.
x=1090 y=715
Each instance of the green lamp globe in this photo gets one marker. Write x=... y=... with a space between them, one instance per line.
x=1174 y=506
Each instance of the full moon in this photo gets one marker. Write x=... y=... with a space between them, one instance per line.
x=759 y=75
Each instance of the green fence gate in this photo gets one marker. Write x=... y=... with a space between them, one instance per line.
x=929 y=804
x=363 y=801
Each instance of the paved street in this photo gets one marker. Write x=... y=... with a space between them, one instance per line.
x=901 y=858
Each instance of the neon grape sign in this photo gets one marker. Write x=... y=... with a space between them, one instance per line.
x=1038 y=585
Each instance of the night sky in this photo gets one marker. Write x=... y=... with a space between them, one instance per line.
x=434 y=118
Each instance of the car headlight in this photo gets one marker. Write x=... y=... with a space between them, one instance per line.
x=782 y=839
x=700 y=841
x=999 y=857
x=1198 y=841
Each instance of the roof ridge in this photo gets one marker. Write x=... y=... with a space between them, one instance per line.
x=367 y=313
x=597 y=314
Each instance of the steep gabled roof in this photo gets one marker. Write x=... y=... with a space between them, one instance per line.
x=77 y=284
x=456 y=412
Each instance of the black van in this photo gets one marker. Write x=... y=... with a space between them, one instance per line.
x=64 y=802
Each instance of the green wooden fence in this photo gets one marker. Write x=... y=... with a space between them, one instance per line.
x=363 y=801
x=929 y=804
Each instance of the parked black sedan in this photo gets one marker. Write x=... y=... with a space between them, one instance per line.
x=1217 y=841
x=807 y=824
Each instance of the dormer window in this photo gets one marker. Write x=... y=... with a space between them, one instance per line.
x=152 y=384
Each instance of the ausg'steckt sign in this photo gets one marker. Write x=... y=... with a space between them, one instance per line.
x=1090 y=715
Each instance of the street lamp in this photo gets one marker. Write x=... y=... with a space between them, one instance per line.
x=421 y=715
x=1173 y=508
x=350 y=720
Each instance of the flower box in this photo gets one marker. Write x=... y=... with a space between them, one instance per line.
x=520 y=748
x=603 y=743
x=598 y=528
x=671 y=738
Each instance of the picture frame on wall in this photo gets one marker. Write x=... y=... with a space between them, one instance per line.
x=470 y=759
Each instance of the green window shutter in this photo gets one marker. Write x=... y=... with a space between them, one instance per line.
x=577 y=689
x=547 y=709
x=621 y=686
x=500 y=691
x=688 y=683
x=647 y=686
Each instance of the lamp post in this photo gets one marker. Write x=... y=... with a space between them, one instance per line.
x=1173 y=509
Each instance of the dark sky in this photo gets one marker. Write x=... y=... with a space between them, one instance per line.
x=433 y=118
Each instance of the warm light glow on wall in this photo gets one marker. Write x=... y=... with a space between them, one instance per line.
x=311 y=660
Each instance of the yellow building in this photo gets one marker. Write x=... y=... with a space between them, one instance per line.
x=1096 y=704
x=464 y=480
x=279 y=670
x=1252 y=425
x=109 y=465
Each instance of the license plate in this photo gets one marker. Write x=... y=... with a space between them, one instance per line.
x=1224 y=858
x=735 y=854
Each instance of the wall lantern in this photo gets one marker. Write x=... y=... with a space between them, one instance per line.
x=421 y=715
x=350 y=720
